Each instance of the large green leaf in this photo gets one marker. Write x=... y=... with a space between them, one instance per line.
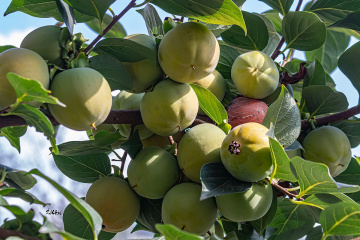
x=281 y=162
x=91 y=216
x=292 y=221
x=43 y=9
x=152 y=19
x=48 y=227
x=275 y=19
x=13 y=134
x=217 y=181
x=237 y=231
x=329 y=53
x=137 y=48
x=150 y=213
x=334 y=10
x=340 y=219
x=22 y=194
x=171 y=232
x=18 y=179
x=323 y=201
x=113 y=70
x=351 y=21
x=347 y=61
x=351 y=175
x=210 y=104
x=95 y=8
x=274 y=37
x=282 y=6
x=351 y=128
x=256 y=37
x=303 y=31
x=284 y=114
x=315 y=178
x=322 y=99
x=224 y=12
x=76 y=224
x=116 y=31
x=84 y=168
x=227 y=57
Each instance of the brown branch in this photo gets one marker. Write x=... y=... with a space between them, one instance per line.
x=5 y=233
x=285 y=191
x=299 y=5
x=111 y=24
x=336 y=117
x=278 y=49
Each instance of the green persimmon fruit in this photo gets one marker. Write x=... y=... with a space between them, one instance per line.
x=245 y=152
x=215 y=83
x=129 y=101
x=182 y=207
x=246 y=206
x=153 y=172
x=255 y=75
x=27 y=64
x=189 y=52
x=115 y=201
x=87 y=96
x=145 y=73
x=328 y=145
x=161 y=141
x=45 y=42
x=169 y=108
x=200 y=145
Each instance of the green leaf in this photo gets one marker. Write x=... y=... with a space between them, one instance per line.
x=351 y=175
x=274 y=38
x=217 y=181
x=113 y=70
x=116 y=31
x=6 y=47
x=281 y=162
x=223 y=12
x=322 y=99
x=30 y=90
x=84 y=168
x=303 y=31
x=334 y=10
x=34 y=117
x=19 y=178
x=137 y=48
x=315 y=178
x=352 y=130
x=210 y=104
x=227 y=57
x=323 y=201
x=13 y=134
x=171 y=232
x=152 y=19
x=351 y=21
x=95 y=8
x=76 y=148
x=292 y=221
x=48 y=227
x=225 y=127
x=282 y=6
x=133 y=145
x=67 y=14
x=43 y=9
x=284 y=114
x=275 y=19
x=347 y=61
x=237 y=231
x=217 y=29
x=91 y=216
x=256 y=37
x=76 y=224
x=329 y=53
x=19 y=193
x=150 y=213
x=340 y=219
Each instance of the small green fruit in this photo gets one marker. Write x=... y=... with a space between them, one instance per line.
x=153 y=172
x=255 y=75
x=27 y=64
x=246 y=206
x=245 y=152
x=129 y=101
x=87 y=96
x=115 y=201
x=189 y=52
x=182 y=207
x=169 y=108
x=328 y=145
x=200 y=145
x=45 y=42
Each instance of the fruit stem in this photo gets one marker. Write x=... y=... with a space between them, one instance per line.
x=111 y=24
x=171 y=140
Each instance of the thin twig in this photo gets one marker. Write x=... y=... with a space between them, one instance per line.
x=5 y=233
x=123 y=160
x=299 y=5
x=111 y=24
x=285 y=191
x=278 y=49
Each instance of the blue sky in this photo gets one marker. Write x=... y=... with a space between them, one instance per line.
x=35 y=152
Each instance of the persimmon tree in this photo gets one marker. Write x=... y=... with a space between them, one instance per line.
x=208 y=63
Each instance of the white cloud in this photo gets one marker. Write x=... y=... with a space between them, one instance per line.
x=14 y=38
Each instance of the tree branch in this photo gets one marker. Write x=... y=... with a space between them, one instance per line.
x=5 y=233
x=111 y=24
x=278 y=49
